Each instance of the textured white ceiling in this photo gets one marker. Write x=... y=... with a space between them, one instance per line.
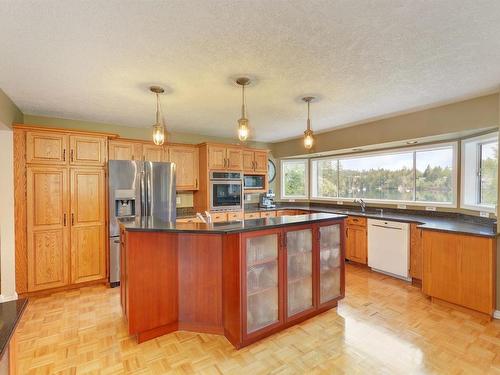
x=94 y=60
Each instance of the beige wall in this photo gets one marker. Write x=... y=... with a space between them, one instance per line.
x=9 y=112
x=478 y=113
x=7 y=237
x=142 y=133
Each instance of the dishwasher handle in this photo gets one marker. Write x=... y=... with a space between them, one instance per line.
x=384 y=226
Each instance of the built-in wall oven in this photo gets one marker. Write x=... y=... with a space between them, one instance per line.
x=226 y=191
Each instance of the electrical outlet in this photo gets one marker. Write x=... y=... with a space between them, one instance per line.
x=430 y=208
x=402 y=206
x=340 y=203
x=291 y=200
x=248 y=197
x=484 y=214
x=178 y=200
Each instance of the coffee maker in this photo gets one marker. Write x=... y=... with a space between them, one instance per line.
x=267 y=200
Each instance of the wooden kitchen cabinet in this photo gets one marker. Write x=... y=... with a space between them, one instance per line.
x=254 y=161
x=264 y=214
x=186 y=166
x=300 y=271
x=225 y=157
x=218 y=217
x=356 y=240
x=262 y=281
x=88 y=222
x=47 y=227
x=60 y=208
x=416 y=256
x=217 y=157
x=153 y=153
x=234 y=159
x=87 y=150
x=46 y=148
x=460 y=269
x=252 y=215
x=276 y=277
x=119 y=150
x=235 y=215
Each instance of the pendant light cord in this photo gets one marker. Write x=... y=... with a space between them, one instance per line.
x=243 y=104
x=308 y=116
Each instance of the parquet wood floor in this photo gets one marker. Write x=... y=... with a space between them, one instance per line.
x=383 y=326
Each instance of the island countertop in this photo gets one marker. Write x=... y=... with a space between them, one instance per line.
x=153 y=224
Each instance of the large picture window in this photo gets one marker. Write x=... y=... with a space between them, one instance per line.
x=423 y=175
x=294 y=179
x=479 y=172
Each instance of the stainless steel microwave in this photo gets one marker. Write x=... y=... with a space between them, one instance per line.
x=254 y=182
x=226 y=191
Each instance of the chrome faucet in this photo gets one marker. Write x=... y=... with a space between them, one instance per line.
x=362 y=203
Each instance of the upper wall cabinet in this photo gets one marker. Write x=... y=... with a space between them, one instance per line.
x=225 y=157
x=120 y=149
x=254 y=161
x=87 y=150
x=46 y=148
x=58 y=148
x=152 y=153
x=186 y=163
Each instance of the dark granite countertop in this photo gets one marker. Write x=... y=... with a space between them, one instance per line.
x=430 y=222
x=10 y=314
x=152 y=224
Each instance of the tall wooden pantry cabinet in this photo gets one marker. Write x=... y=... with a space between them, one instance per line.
x=60 y=208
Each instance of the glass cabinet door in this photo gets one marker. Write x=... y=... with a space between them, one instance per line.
x=299 y=273
x=262 y=286
x=329 y=263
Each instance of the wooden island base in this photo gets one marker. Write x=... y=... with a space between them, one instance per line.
x=244 y=285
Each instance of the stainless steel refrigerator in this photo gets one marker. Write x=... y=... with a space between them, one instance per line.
x=137 y=188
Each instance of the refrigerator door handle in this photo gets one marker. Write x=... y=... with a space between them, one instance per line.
x=142 y=193
x=147 y=185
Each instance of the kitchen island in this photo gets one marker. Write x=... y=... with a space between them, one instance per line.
x=244 y=279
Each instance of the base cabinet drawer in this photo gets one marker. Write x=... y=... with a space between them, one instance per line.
x=218 y=217
x=354 y=220
x=234 y=215
x=268 y=214
x=252 y=215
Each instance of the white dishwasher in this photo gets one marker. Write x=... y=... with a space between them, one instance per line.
x=389 y=247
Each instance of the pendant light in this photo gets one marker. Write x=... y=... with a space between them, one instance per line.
x=159 y=126
x=308 y=134
x=243 y=129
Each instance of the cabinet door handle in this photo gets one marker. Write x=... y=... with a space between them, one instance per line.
x=347 y=232
x=72 y=219
x=64 y=219
x=196 y=184
x=71 y=155
x=64 y=155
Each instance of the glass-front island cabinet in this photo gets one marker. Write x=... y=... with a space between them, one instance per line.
x=280 y=277
x=242 y=279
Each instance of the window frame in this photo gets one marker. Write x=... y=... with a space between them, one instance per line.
x=306 y=178
x=478 y=141
x=402 y=150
